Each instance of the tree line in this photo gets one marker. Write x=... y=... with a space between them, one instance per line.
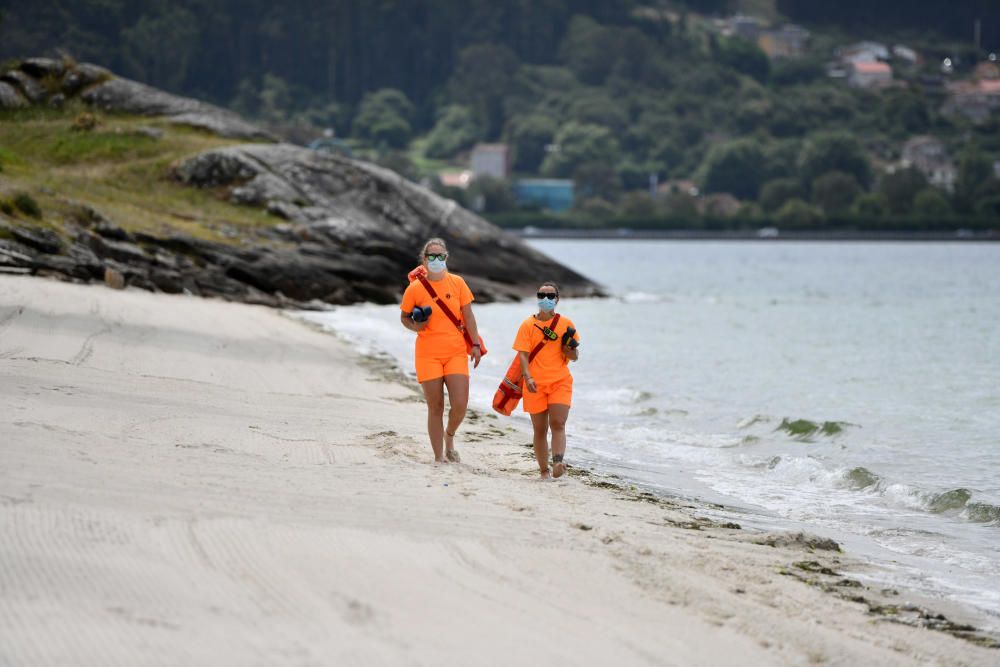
x=609 y=94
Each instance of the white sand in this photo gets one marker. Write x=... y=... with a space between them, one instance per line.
x=185 y=481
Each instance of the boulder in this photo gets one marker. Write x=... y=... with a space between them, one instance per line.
x=43 y=67
x=337 y=202
x=10 y=98
x=32 y=89
x=38 y=238
x=127 y=96
x=83 y=75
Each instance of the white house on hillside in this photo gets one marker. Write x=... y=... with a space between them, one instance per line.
x=869 y=74
x=491 y=160
x=929 y=156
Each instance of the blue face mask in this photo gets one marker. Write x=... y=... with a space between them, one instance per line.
x=547 y=305
x=436 y=265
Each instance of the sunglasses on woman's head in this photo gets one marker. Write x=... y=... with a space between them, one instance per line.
x=547 y=295
x=436 y=255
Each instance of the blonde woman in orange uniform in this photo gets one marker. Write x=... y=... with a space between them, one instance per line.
x=441 y=357
x=548 y=384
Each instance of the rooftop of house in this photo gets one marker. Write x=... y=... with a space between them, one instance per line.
x=871 y=67
x=490 y=148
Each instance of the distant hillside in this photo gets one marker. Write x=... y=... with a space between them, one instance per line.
x=751 y=118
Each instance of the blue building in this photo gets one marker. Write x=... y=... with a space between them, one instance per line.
x=553 y=194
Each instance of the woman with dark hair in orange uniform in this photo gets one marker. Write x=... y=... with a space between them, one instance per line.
x=548 y=384
x=441 y=357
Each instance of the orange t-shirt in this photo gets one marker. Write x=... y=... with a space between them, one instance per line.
x=440 y=338
x=549 y=365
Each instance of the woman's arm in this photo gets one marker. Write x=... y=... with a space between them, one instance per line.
x=529 y=381
x=473 y=329
x=409 y=323
x=572 y=353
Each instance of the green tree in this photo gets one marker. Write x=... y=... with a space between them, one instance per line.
x=274 y=99
x=906 y=111
x=383 y=118
x=834 y=151
x=597 y=179
x=743 y=56
x=931 y=203
x=635 y=175
x=870 y=204
x=484 y=77
x=900 y=188
x=638 y=203
x=779 y=190
x=796 y=71
x=734 y=167
x=529 y=136
x=455 y=130
x=145 y=56
x=974 y=171
x=490 y=195
x=835 y=191
x=797 y=213
x=577 y=143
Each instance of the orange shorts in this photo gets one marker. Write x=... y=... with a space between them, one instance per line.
x=560 y=391
x=432 y=368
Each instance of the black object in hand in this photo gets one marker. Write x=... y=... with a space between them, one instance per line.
x=421 y=313
x=568 y=340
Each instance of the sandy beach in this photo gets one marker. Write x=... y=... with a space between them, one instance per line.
x=189 y=481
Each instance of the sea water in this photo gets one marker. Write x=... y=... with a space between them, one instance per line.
x=848 y=389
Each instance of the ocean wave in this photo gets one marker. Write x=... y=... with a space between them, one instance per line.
x=954 y=502
x=644 y=297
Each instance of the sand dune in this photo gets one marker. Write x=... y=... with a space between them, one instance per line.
x=187 y=481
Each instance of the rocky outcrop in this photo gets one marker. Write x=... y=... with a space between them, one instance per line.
x=336 y=202
x=126 y=96
x=50 y=81
x=346 y=231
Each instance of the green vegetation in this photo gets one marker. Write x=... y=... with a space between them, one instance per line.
x=861 y=478
x=27 y=205
x=609 y=94
x=52 y=168
x=803 y=429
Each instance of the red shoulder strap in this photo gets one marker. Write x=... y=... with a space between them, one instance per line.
x=444 y=308
x=538 y=346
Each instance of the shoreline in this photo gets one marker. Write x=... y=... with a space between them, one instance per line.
x=182 y=472
x=755 y=235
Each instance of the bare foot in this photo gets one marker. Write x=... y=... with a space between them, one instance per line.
x=546 y=474
x=442 y=460
x=558 y=469
x=449 y=448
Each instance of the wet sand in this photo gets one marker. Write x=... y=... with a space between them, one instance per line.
x=192 y=481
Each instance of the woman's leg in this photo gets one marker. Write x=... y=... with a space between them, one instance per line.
x=458 y=403
x=558 y=414
x=434 y=394
x=540 y=424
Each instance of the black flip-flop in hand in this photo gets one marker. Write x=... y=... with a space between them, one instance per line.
x=421 y=314
x=568 y=340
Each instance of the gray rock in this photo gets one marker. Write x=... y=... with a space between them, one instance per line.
x=42 y=67
x=82 y=76
x=40 y=239
x=10 y=98
x=57 y=101
x=127 y=96
x=30 y=87
x=349 y=204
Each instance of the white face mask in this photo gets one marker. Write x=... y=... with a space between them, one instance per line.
x=436 y=265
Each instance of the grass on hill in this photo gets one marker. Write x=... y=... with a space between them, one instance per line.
x=116 y=167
